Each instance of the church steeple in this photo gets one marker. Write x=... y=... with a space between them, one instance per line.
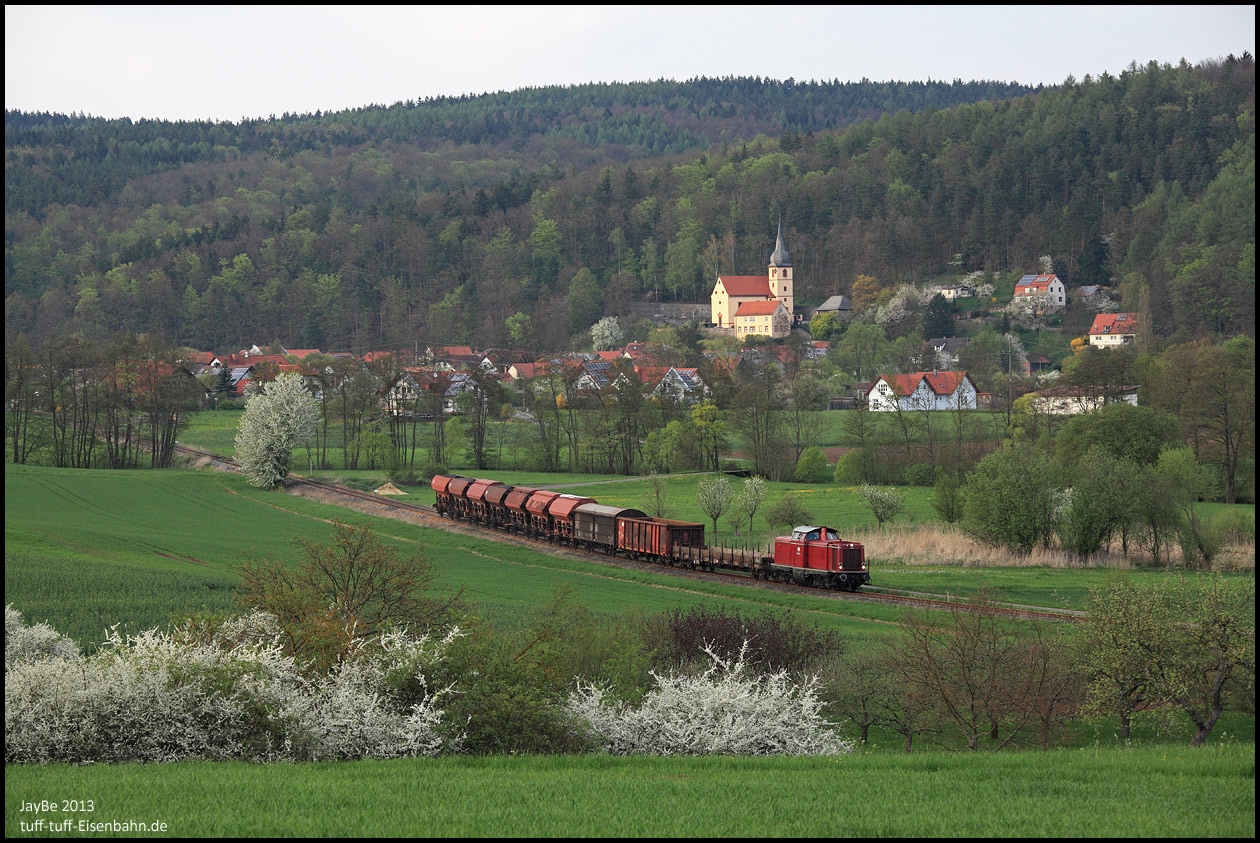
x=780 y=256
x=780 y=272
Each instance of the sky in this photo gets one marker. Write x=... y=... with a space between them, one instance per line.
x=227 y=63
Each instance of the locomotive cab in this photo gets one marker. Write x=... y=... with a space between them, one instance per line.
x=818 y=556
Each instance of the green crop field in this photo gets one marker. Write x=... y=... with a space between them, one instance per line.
x=88 y=549
x=1136 y=792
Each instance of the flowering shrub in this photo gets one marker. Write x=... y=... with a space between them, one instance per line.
x=234 y=694
x=39 y=641
x=724 y=711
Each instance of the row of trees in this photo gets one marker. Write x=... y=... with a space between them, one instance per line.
x=977 y=676
x=79 y=405
x=1019 y=499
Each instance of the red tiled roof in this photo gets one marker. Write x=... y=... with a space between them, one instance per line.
x=651 y=375
x=758 y=308
x=635 y=350
x=941 y=383
x=1114 y=324
x=745 y=285
x=1032 y=289
x=451 y=350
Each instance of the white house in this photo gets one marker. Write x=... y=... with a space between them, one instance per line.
x=1047 y=291
x=922 y=391
x=1112 y=329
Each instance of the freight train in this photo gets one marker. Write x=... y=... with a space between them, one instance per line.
x=812 y=556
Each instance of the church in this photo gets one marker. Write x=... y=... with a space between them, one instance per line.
x=756 y=304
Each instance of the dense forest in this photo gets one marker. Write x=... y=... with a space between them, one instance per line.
x=440 y=220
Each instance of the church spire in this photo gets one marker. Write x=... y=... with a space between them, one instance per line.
x=780 y=256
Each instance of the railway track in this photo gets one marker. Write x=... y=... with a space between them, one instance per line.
x=426 y=516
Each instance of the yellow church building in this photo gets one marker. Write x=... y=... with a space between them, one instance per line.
x=728 y=304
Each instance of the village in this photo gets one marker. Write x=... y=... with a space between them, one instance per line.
x=753 y=321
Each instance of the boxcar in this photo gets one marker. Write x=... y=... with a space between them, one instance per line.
x=595 y=525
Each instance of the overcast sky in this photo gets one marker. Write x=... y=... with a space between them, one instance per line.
x=231 y=62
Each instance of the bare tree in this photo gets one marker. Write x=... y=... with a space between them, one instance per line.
x=982 y=673
x=351 y=588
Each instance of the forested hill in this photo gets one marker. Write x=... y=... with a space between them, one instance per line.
x=438 y=220
x=84 y=160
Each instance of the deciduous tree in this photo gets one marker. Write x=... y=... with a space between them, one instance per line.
x=715 y=496
x=884 y=502
x=1171 y=640
x=277 y=419
x=349 y=589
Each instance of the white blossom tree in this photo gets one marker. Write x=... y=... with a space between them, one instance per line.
x=885 y=502
x=606 y=334
x=278 y=419
x=715 y=496
x=727 y=710
x=218 y=693
x=751 y=497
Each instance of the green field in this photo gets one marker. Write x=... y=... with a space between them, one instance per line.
x=87 y=549
x=1137 y=792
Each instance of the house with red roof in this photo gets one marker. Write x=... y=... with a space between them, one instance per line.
x=767 y=318
x=1112 y=329
x=922 y=391
x=1046 y=292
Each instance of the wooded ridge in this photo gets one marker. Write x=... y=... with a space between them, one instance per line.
x=440 y=219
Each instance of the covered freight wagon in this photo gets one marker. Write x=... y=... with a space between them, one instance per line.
x=595 y=525
x=478 y=507
x=514 y=503
x=441 y=485
x=497 y=512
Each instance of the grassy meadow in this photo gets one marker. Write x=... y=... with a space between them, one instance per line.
x=88 y=549
x=1130 y=792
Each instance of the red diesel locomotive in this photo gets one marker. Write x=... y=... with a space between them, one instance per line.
x=813 y=556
